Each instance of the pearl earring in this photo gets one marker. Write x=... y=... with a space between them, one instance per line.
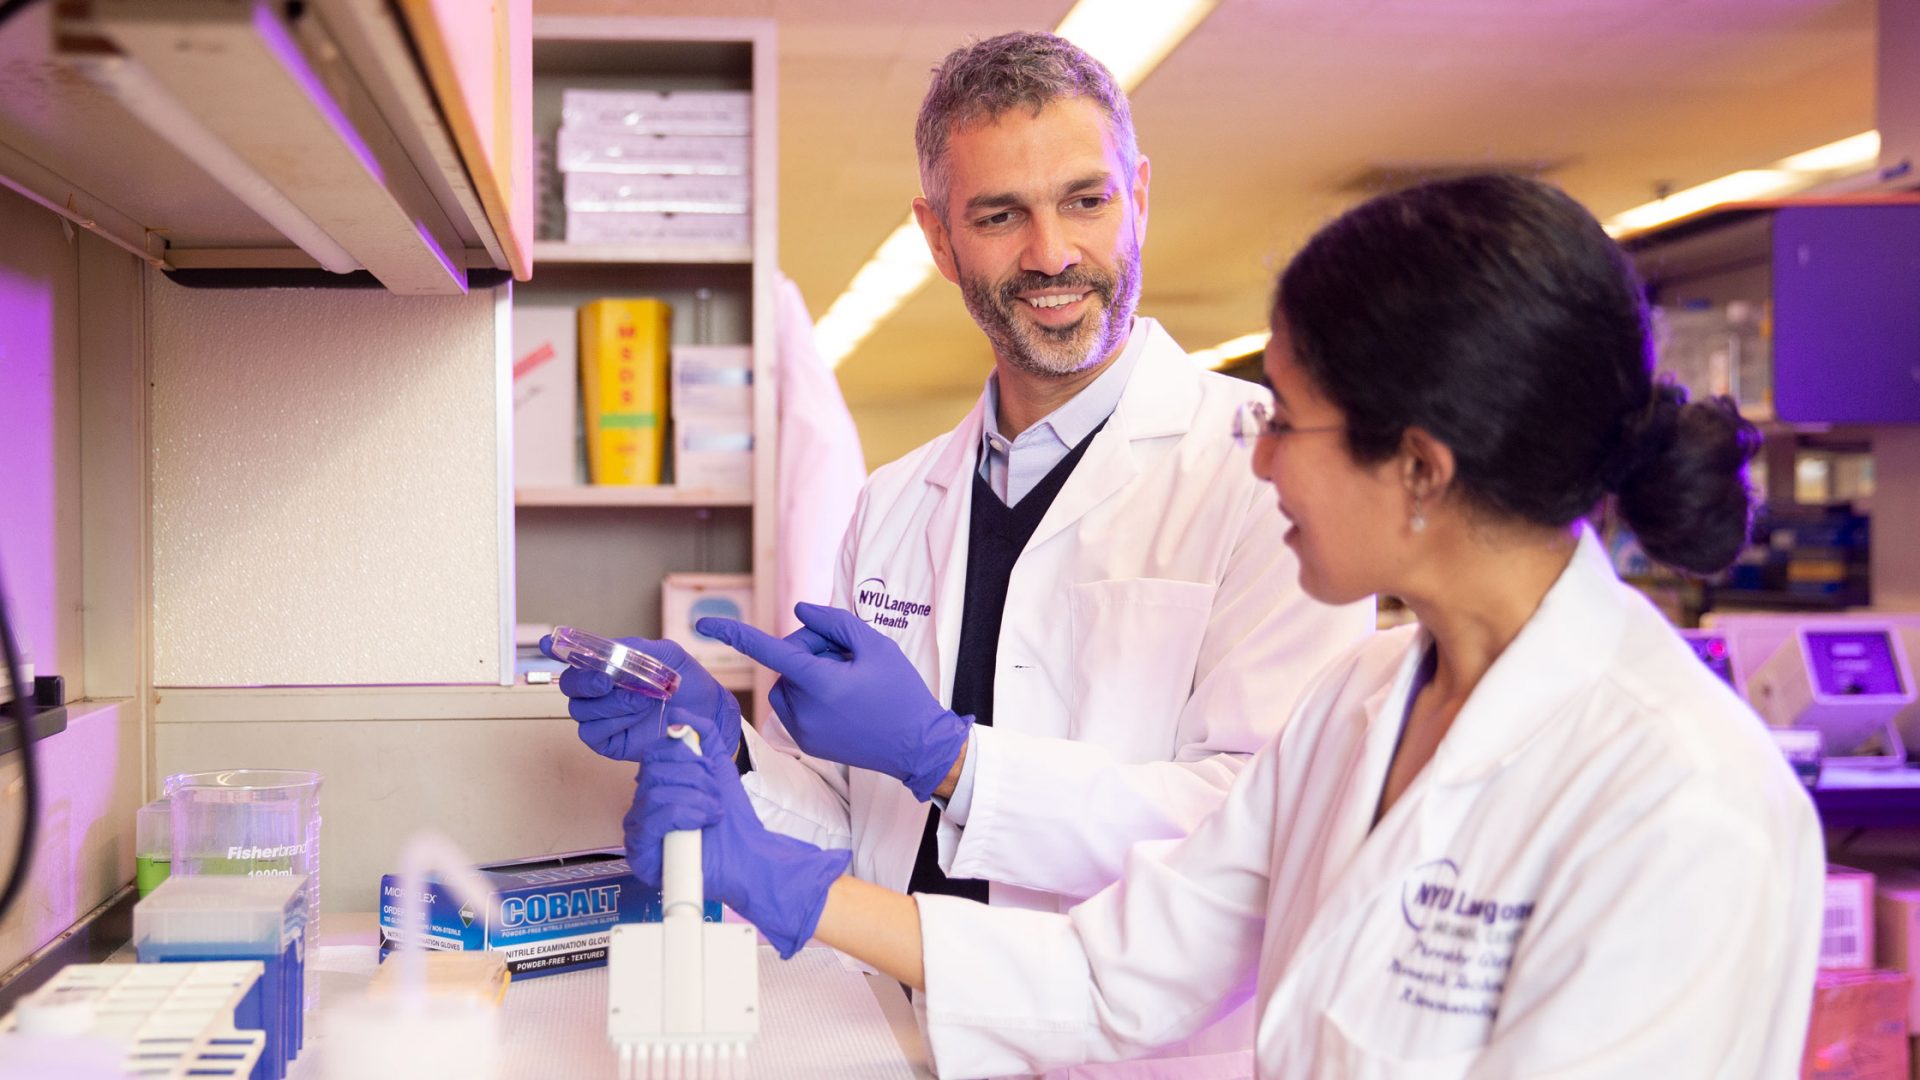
x=1418 y=523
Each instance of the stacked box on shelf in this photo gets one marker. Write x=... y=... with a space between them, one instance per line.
x=624 y=382
x=546 y=396
x=713 y=418
x=659 y=112
x=1896 y=928
x=1846 y=929
x=1858 y=1027
x=667 y=193
x=666 y=169
x=685 y=599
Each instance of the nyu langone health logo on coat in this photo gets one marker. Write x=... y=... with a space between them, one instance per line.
x=1434 y=889
x=1429 y=887
x=1462 y=946
x=872 y=602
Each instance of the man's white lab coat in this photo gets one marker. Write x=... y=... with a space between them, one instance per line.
x=1607 y=870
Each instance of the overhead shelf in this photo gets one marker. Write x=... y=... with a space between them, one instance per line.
x=236 y=134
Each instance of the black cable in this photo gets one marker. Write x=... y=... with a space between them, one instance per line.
x=30 y=815
x=8 y=9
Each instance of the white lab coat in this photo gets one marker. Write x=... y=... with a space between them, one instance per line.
x=1607 y=870
x=820 y=469
x=1154 y=637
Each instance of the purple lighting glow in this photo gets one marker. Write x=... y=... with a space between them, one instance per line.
x=30 y=321
x=266 y=23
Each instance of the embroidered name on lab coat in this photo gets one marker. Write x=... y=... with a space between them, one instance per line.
x=872 y=602
x=1455 y=960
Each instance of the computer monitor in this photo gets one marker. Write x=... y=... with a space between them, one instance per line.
x=1848 y=681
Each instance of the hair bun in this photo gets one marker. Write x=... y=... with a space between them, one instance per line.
x=1645 y=436
x=1679 y=475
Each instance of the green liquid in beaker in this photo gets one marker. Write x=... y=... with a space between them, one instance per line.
x=149 y=871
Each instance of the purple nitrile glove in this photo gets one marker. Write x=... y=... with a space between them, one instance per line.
x=617 y=723
x=775 y=882
x=848 y=694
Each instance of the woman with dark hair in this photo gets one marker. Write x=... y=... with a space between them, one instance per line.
x=1530 y=836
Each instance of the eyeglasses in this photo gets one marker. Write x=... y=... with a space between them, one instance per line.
x=1254 y=420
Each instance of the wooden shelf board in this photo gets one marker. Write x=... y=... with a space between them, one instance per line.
x=561 y=253
x=614 y=496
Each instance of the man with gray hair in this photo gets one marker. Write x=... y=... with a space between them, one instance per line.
x=1079 y=567
x=1070 y=621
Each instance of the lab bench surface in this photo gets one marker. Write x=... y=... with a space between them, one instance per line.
x=818 y=1018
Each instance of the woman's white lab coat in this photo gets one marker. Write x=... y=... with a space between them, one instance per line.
x=1606 y=870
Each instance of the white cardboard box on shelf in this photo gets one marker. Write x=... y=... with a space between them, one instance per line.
x=546 y=396
x=712 y=382
x=662 y=112
x=1846 y=939
x=713 y=454
x=694 y=193
x=720 y=232
x=620 y=152
x=687 y=598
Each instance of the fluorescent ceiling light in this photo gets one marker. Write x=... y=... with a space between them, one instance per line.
x=1131 y=37
x=1733 y=187
x=1231 y=349
x=1796 y=173
x=890 y=277
x=1856 y=152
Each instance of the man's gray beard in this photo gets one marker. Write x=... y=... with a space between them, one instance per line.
x=1055 y=354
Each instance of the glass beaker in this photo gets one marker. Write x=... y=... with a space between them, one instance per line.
x=152 y=845
x=250 y=822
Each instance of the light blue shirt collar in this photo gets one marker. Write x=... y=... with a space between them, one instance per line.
x=1012 y=467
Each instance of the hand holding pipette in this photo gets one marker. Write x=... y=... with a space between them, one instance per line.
x=776 y=882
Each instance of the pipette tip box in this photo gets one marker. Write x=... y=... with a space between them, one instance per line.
x=164 y=1019
x=545 y=914
x=212 y=917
